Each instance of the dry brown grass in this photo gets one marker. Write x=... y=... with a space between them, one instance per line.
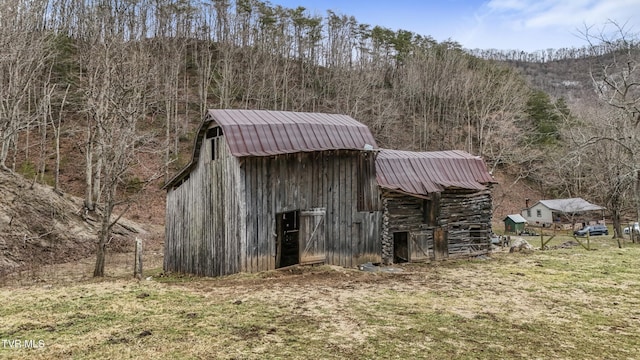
x=568 y=303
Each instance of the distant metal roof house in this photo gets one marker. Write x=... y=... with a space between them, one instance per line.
x=547 y=212
x=514 y=223
x=422 y=173
x=572 y=205
x=516 y=218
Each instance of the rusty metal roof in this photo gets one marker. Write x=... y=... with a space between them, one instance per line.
x=422 y=173
x=264 y=133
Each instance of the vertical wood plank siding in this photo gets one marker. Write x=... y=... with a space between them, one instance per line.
x=203 y=228
x=222 y=219
x=302 y=181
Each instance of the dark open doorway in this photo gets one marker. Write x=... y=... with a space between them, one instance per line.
x=287 y=241
x=400 y=247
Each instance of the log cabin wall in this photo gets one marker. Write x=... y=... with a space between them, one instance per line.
x=464 y=215
x=204 y=227
x=333 y=180
x=404 y=213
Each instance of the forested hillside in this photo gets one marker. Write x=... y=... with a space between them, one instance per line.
x=100 y=97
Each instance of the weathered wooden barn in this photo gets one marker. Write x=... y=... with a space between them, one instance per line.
x=436 y=205
x=268 y=189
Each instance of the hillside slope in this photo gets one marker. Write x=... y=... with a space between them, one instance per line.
x=39 y=226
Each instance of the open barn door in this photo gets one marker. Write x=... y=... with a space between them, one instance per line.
x=312 y=240
x=287 y=240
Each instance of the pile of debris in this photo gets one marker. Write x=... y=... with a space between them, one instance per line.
x=519 y=244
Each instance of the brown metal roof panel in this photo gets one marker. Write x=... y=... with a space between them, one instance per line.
x=458 y=169
x=407 y=176
x=304 y=137
x=452 y=169
x=274 y=132
x=386 y=174
x=463 y=185
x=426 y=172
x=321 y=139
x=310 y=137
x=296 y=130
x=364 y=137
x=251 y=139
x=332 y=135
x=346 y=137
x=280 y=138
x=235 y=141
x=294 y=137
x=266 y=141
x=401 y=175
x=360 y=137
x=482 y=173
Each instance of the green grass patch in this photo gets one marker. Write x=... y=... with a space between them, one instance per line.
x=566 y=303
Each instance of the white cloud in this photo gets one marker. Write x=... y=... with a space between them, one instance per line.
x=562 y=13
x=539 y=24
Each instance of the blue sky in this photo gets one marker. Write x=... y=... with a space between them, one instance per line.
x=527 y=25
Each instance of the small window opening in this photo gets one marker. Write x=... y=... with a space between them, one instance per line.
x=213 y=135
x=539 y=213
x=528 y=212
x=214 y=132
x=476 y=233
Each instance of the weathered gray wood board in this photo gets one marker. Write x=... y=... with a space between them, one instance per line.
x=222 y=218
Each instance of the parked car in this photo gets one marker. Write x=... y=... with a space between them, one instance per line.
x=592 y=230
x=636 y=229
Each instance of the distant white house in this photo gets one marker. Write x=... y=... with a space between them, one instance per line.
x=547 y=212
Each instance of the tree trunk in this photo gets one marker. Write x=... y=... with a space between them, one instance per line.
x=88 y=190
x=617 y=229
x=103 y=239
x=105 y=234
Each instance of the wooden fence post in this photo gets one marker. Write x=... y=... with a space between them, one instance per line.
x=137 y=265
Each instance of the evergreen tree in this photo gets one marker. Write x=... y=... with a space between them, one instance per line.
x=546 y=117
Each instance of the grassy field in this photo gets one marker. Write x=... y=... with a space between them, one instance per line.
x=562 y=303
